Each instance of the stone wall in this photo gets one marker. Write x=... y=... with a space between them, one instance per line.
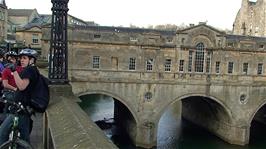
x=68 y=125
x=250 y=19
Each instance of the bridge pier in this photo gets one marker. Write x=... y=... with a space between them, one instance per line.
x=146 y=135
x=124 y=120
x=142 y=135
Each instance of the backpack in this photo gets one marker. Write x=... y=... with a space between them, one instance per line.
x=40 y=94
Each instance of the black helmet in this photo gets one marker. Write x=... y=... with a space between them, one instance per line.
x=11 y=53
x=29 y=53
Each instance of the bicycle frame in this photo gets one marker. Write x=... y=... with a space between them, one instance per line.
x=14 y=136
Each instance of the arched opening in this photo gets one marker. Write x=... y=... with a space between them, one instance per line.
x=194 y=119
x=258 y=127
x=112 y=116
x=204 y=109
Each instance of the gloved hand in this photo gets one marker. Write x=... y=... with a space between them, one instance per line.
x=11 y=66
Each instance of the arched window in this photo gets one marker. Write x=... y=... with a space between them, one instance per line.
x=199 y=57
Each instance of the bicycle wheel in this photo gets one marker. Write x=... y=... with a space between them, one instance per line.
x=20 y=144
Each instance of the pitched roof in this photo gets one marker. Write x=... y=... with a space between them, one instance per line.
x=20 y=12
x=201 y=24
x=36 y=22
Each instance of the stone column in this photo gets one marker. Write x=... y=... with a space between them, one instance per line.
x=146 y=135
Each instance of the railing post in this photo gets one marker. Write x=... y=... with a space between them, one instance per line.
x=58 y=59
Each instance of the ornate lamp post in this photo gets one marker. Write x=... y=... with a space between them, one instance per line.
x=58 y=59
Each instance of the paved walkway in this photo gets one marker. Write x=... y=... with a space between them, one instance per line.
x=37 y=132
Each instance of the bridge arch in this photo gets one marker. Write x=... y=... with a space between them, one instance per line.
x=185 y=96
x=114 y=96
x=256 y=110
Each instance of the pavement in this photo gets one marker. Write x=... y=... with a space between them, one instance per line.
x=37 y=131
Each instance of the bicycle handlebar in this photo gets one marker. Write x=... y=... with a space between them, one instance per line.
x=18 y=106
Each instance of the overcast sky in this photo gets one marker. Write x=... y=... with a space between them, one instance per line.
x=218 y=13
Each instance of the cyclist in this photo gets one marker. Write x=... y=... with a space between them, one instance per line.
x=7 y=77
x=8 y=80
x=25 y=82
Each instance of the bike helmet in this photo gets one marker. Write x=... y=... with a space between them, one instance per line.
x=11 y=53
x=29 y=53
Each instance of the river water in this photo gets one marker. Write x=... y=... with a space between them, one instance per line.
x=173 y=131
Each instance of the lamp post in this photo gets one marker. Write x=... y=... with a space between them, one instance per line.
x=58 y=57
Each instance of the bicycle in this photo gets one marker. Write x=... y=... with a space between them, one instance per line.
x=15 y=141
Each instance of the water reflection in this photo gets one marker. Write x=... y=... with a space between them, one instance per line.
x=173 y=131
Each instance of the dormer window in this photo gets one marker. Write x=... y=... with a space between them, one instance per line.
x=133 y=39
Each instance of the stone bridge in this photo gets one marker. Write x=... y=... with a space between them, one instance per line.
x=218 y=77
x=226 y=108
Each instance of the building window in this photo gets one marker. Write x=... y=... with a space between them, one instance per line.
x=149 y=64
x=96 y=62
x=181 y=65
x=261 y=46
x=132 y=63
x=97 y=36
x=167 y=65
x=190 y=61
x=217 y=67
x=170 y=40
x=133 y=39
x=2 y=15
x=230 y=67
x=219 y=43
x=230 y=44
x=183 y=40
x=245 y=68
x=208 y=62
x=199 y=57
x=260 y=69
x=35 y=38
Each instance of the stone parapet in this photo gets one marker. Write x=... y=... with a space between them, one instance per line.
x=68 y=126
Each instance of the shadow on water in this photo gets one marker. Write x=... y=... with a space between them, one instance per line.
x=174 y=132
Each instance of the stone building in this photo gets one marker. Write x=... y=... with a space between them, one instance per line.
x=3 y=20
x=200 y=48
x=25 y=26
x=30 y=34
x=251 y=19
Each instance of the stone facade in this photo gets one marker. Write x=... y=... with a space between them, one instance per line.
x=3 y=21
x=251 y=19
x=149 y=70
x=30 y=37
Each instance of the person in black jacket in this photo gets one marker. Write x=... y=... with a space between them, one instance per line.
x=25 y=82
